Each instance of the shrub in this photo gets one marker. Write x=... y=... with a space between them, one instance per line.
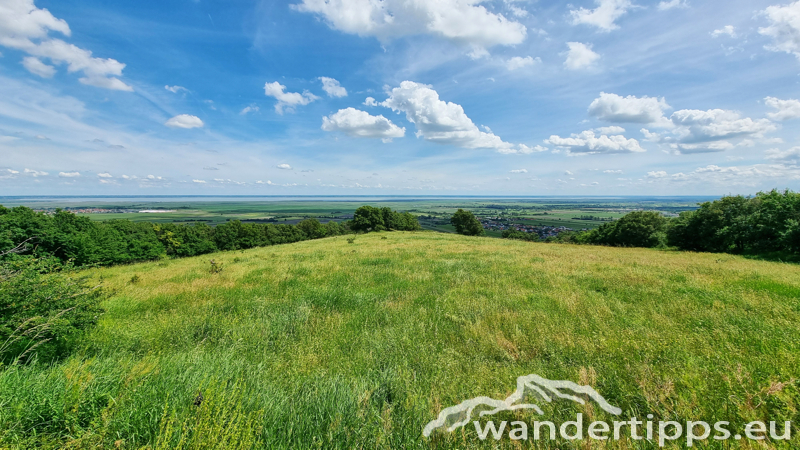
x=44 y=309
x=520 y=235
x=636 y=229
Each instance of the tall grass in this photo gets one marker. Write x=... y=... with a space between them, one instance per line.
x=325 y=344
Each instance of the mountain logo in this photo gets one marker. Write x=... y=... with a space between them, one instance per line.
x=528 y=386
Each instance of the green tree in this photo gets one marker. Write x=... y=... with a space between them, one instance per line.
x=312 y=228
x=636 y=229
x=466 y=223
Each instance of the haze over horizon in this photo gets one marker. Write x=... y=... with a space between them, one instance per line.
x=399 y=97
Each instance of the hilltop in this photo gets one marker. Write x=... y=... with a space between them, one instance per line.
x=333 y=344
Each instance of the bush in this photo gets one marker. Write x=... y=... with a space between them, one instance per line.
x=44 y=309
x=636 y=229
x=466 y=223
x=520 y=235
x=368 y=218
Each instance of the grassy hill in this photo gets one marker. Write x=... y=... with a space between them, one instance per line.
x=330 y=344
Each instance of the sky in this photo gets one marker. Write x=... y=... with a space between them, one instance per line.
x=399 y=97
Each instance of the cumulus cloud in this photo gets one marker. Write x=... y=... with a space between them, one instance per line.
x=784 y=28
x=176 y=89
x=617 y=109
x=369 y=101
x=519 y=171
x=37 y=67
x=284 y=166
x=184 y=121
x=694 y=126
x=618 y=172
x=727 y=30
x=69 y=174
x=603 y=16
x=672 y=4
x=519 y=62
x=791 y=156
x=784 y=109
x=104 y=175
x=590 y=143
x=610 y=130
x=287 y=101
x=460 y=21
x=580 y=56
x=657 y=174
x=443 y=122
x=740 y=175
x=25 y=27
x=357 y=123
x=199 y=181
x=35 y=173
x=248 y=109
x=332 y=87
x=265 y=182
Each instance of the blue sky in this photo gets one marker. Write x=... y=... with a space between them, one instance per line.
x=597 y=97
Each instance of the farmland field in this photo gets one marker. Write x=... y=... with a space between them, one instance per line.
x=433 y=213
x=331 y=344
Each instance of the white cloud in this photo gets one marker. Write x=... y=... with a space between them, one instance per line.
x=287 y=100
x=184 y=121
x=519 y=171
x=610 y=130
x=356 y=123
x=589 y=143
x=516 y=10
x=580 y=56
x=784 y=28
x=695 y=126
x=69 y=174
x=461 y=21
x=519 y=62
x=175 y=89
x=104 y=175
x=12 y=171
x=37 y=67
x=35 y=173
x=568 y=173
x=672 y=4
x=617 y=109
x=618 y=172
x=443 y=122
x=284 y=166
x=727 y=30
x=369 y=101
x=657 y=174
x=791 y=156
x=603 y=16
x=785 y=109
x=332 y=87
x=248 y=109
x=199 y=181
x=265 y=182
x=22 y=23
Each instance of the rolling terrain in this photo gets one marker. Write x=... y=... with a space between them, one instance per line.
x=332 y=344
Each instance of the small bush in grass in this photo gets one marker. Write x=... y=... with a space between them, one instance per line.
x=215 y=267
x=44 y=309
x=135 y=279
x=351 y=240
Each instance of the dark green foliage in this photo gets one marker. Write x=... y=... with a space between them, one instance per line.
x=83 y=242
x=368 y=218
x=520 y=235
x=44 y=308
x=766 y=223
x=466 y=223
x=636 y=229
x=312 y=229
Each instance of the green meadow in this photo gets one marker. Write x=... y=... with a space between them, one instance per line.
x=330 y=344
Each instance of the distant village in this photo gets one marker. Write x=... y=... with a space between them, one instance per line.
x=498 y=224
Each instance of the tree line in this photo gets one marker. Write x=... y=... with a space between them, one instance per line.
x=765 y=224
x=69 y=237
